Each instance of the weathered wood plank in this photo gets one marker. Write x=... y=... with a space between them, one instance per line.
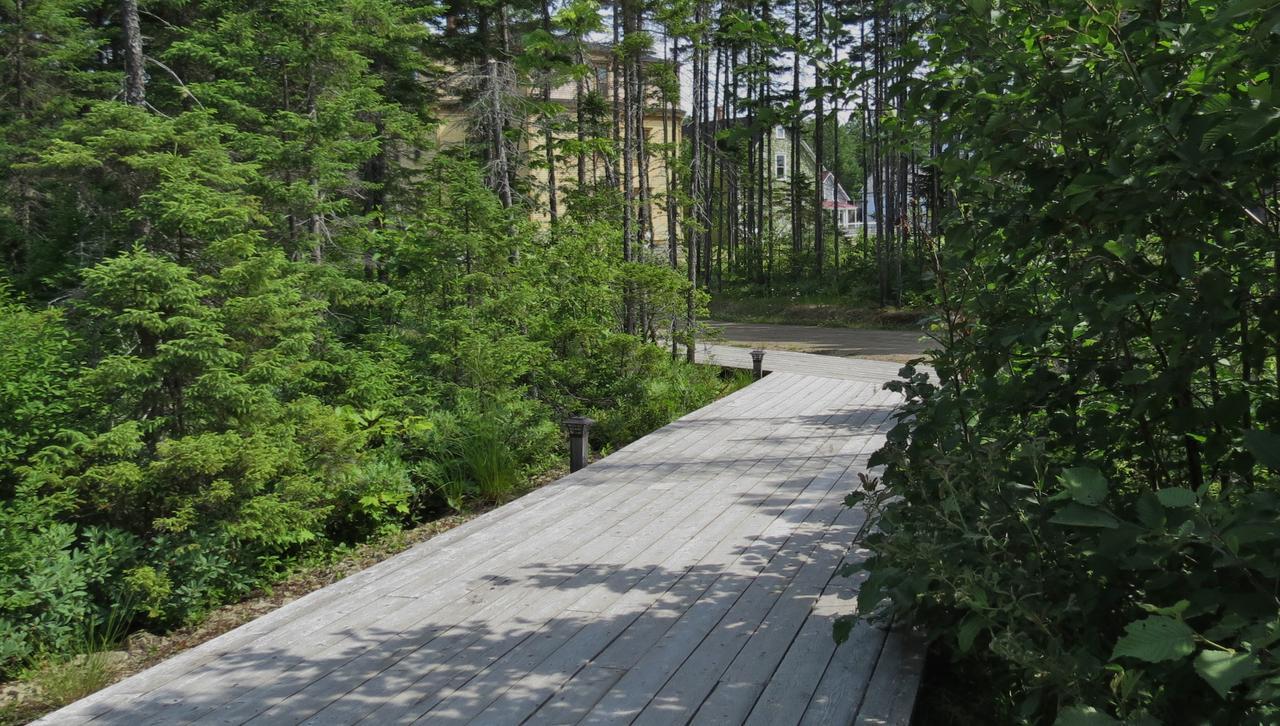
x=458 y=587
x=583 y=648
x=674 y=579
x=309 y=607
x=637 y=689
x=840 y=687
x=605 y=546
x=420 y=703
x=756 y=663
x=891 y=692
x=791 y=580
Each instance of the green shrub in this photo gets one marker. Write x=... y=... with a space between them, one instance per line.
x=481 y=450
x=44 y=586
x=238 y=334
x=486 y=458
x=1075 y=586
x=652 y=391
x=37 y=363
x=1083 y=506
x=376 y=499
x=198 y=418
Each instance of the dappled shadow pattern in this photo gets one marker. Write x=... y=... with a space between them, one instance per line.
x=447 y=672
x=689 y=578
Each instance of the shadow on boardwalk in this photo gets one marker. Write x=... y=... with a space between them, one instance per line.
x=686 y=578
x=575 y=666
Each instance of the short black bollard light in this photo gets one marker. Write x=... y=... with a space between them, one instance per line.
x=757 y=363
x=578 y=427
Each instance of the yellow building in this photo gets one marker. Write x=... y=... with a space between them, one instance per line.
x=661 y=136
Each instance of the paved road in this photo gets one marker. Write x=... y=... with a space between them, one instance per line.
x=892 y=345
x=809 y=364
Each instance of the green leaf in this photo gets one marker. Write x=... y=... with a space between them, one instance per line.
x=1182 y=257
x=1265 y=447
x=1155 y=639
x=1224 y=670
x=1175 y=497
x=1175 y=609
x=1085 y=484
x=1150 y=513
x=1119 y=249
x=1078 y=515
x=1216 y=103
x=1082 y=716
x=968 y=632
x=841 y=628
x=1243 y=7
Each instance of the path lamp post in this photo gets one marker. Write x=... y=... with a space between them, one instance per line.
x=757 y=363
x=578 y=427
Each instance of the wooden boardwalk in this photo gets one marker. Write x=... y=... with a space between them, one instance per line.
x=686 y=578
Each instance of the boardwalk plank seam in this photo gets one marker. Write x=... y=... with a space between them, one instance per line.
x=687 y=577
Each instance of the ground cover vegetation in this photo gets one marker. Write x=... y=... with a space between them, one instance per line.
x=1082 y=507
x=251 y=311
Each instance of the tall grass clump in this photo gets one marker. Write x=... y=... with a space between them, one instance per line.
x=92 y=664
x=487 y=459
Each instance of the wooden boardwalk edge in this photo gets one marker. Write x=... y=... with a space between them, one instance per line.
x=685 y=578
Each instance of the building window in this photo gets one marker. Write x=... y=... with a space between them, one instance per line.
x=779 y=132
x=780 y=166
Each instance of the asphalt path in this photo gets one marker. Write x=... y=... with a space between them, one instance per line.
x=891 y=345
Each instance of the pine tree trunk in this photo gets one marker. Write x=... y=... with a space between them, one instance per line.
x=697 y=214
x=836 y=211
x=548 y=134
x=670 y=134
x=645 y=231
x=615 y=98
x=628 y=197
x=751 y=243
x=726 y=169
x=862 y=99
x=497 y=139
x=882 y=252
x=796 y=217
x=707 y=191
x=135 y=79
x=819 y=243
x=580 y=119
